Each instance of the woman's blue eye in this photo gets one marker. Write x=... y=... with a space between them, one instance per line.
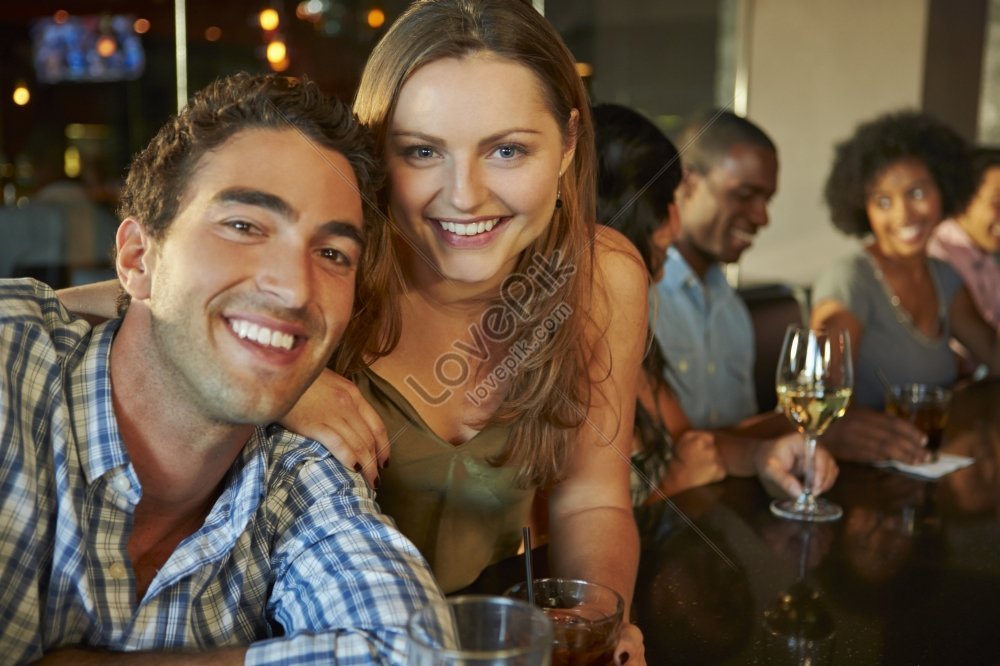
x=509 y=151
x=420 y=152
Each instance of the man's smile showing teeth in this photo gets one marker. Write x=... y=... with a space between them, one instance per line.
x=470 y=229
x=261 y=334
x=743 y=235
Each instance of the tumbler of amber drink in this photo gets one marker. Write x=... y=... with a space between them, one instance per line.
x=586 y=619
x=924 y=406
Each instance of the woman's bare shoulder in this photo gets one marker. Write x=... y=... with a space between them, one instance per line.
x=619 y=267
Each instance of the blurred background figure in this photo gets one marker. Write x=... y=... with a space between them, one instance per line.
x=891 y=184
x=57 y=229
x=638 y=172
x=90 y=224
x=970 y=241
x=730 y=175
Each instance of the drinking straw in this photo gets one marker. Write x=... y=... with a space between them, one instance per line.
x=526 y=534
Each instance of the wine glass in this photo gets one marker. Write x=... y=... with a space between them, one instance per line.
x=814 y=382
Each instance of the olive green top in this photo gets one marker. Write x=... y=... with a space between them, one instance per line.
x=461 y=512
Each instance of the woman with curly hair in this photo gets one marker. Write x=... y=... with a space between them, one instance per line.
x=891 y=184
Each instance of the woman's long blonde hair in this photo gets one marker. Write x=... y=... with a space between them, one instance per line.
x=548 y=398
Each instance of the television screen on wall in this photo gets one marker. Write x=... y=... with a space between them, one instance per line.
x=87 y=48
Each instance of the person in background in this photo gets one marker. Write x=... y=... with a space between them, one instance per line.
x=89 y=228
x=730 y=174
x=891 y=184
x=638 y=172
x=970 y=241
x=147 y=501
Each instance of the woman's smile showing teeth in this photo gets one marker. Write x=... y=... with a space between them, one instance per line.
x=910 y=233
x=469 y=228
x=261 y=334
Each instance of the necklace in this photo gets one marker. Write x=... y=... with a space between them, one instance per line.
x=902 y=314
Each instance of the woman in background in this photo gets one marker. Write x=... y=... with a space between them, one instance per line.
x=892 y=182
x=970 y=241
x=638 y=171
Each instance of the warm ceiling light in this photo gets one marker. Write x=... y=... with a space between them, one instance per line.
x=213 y=33
x=269 y=19
x=280 y=66
x=106 y=46
x=141 y=26
x=71 y=162
x=276 y=51
x=376 y=18
x=21 y=95
x=584 y=69
x=61 y=16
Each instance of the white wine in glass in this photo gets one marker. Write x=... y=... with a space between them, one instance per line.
x=814 y=382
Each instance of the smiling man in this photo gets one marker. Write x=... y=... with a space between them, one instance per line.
x=147 y=503
x=730 y=175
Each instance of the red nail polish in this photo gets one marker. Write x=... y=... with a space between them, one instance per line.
x=625 y=657
x=357 y=467
x=385 y=465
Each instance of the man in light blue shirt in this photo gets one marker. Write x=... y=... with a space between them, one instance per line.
x=704 y=328
x=147 y=501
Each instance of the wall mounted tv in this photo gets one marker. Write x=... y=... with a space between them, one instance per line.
x=87 y=48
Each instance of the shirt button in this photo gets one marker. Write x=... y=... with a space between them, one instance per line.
x=121 y=483
x=711 y=368
x=117 y=571
x=682 y=365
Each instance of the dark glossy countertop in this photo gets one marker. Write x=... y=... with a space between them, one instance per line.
x=909 y=575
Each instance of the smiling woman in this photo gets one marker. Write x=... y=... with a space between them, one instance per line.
x=520 y=327
x=893 y=181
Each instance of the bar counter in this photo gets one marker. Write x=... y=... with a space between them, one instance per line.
x=909 y=575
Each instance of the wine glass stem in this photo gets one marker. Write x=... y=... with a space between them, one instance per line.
x=809 y=470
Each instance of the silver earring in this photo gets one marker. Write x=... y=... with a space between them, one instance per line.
x=558 y=198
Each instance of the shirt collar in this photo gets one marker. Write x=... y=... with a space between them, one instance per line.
x=99 y=443
x=102 y=449
x=952 y=233
x=677 y=273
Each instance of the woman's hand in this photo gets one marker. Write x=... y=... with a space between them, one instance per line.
x=630 y=648
x=866 y=436
x=779 y=463
x=334 y=413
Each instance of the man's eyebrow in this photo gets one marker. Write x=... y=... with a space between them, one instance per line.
x=272 y=202
x=259 y=198
x=344 y=229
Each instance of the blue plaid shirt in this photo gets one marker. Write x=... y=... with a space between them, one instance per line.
x=294 y=557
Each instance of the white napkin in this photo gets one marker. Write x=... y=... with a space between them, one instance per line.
x=946 y=463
